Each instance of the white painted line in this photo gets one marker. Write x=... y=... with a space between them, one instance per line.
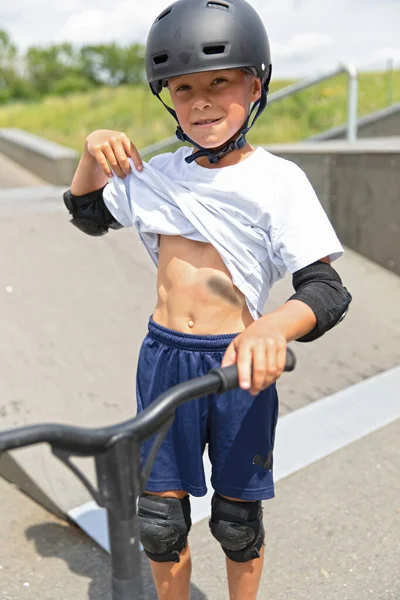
x=320 y=428
x=303 y=437
x=93 y=520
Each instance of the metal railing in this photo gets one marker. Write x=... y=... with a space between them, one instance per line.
x=352 y=105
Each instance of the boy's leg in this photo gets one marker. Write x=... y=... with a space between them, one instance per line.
x=241 y=452
x=172 y=579
x=244 y=577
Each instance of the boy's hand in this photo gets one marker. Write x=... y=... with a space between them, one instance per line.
x=260 y=355
x=112 y=149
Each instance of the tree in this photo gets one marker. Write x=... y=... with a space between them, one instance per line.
x=47 y=67
x=135 y=64
x=8 y=53
x=113 y=65
x=64 y=68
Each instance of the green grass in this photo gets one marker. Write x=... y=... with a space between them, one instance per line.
x=135 y=111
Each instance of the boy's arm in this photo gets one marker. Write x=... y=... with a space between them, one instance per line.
x=89 y=176
x=320 y=302
x=260 y=350
x=294 y=319
x=105 y=151
x=320 y=288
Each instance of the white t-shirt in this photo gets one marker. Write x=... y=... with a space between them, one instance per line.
x=261 y=215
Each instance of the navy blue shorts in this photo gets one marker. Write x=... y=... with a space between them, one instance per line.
x=238 y=428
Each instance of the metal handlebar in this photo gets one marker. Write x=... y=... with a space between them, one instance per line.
x=120 y=475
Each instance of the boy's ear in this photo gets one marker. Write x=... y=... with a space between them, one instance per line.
x=256 y=89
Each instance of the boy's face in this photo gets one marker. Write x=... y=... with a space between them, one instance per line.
x=222 y=96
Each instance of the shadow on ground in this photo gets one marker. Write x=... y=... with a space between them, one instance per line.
x=86 y=559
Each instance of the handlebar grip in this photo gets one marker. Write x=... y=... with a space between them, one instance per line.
x=290 y=360
x=229 y=375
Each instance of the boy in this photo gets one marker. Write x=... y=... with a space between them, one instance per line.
x=222 y=224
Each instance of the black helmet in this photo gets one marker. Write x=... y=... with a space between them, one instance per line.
x=192 y=36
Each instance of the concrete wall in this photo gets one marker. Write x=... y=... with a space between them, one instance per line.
x=54 y=163
x=380 y=124
x=359 y=187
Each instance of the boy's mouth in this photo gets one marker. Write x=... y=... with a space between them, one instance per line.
x=207 y=122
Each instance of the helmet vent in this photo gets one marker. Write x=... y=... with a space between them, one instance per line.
x=160 y=59
x=220 y=5
x=214 y=50
x=164 y=14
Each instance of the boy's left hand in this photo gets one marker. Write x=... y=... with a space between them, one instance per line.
x=260 y=355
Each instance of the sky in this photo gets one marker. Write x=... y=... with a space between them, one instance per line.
x=306 y=36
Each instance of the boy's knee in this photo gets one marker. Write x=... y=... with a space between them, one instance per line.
x=170 y=494
x=238 y=527
x=164 y=525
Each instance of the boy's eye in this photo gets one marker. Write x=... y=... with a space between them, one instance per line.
x=184 y=87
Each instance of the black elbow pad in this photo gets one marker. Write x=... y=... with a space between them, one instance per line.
x=89 y=213
x=320 y=287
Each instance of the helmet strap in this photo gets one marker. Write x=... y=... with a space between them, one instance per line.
x=237 y=143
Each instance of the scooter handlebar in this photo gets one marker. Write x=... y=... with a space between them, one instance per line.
x=230 y=378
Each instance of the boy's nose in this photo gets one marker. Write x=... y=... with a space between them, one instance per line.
x=202 y=104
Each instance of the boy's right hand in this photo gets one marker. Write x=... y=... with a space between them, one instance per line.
x=112 y=149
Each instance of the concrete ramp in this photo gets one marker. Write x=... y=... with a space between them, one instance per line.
x=13 y=175
x=54 y=163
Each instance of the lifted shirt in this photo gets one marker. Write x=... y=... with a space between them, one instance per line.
x=261 y=215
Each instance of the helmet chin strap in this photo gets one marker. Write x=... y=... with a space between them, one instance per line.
x=214 y=155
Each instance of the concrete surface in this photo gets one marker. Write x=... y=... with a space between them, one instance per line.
x=377 y=145
x=333 y=529
x=12 y=175
x=54 y=163
x=332 y=533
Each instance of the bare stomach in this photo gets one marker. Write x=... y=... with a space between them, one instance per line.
x=195 y=290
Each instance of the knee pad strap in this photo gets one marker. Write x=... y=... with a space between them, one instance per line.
x=164 y=526
x=238 y=527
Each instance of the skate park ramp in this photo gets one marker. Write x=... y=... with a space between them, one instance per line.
x=382 y=123
x=74 y=310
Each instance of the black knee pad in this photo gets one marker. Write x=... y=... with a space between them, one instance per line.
x=238 y=527
x=164 y=526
